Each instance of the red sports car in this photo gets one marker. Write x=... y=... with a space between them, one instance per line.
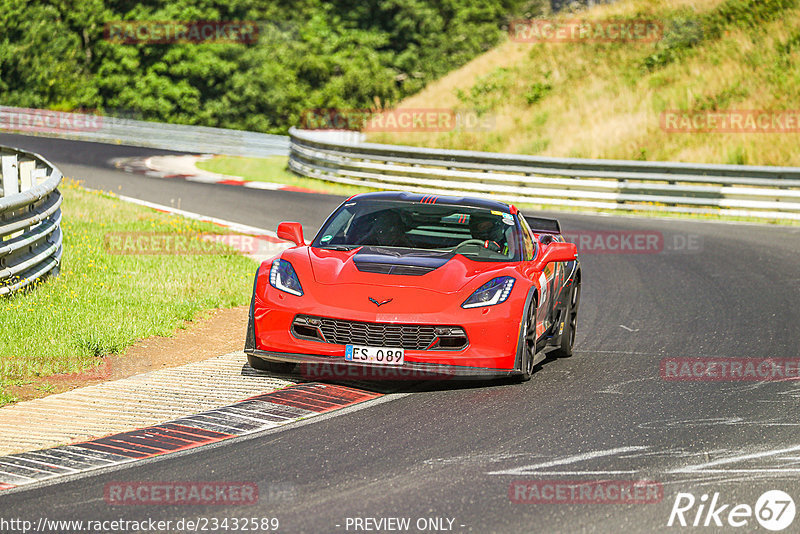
x=428 y=285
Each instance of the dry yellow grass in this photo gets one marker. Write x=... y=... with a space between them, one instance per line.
x=441 y=93
x=635 y=8
x=602 y=104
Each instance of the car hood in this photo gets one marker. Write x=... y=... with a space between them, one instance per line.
x=432 y=270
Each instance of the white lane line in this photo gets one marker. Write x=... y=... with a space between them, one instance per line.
x=255 y=417
x=246 y=418
x=754 y=470
x=577 y=473
x=11 y=478
x=614 y=388
x=125 y=462
x=704 y=467
x=88 y=454
x=47 y=465
x=531 y=469
x=263 y=185
x=243 y=228
x=49 y=458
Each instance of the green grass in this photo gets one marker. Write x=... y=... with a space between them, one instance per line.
x=605 y=100
x=101 y=303
x=273 y=169
x=5 y=398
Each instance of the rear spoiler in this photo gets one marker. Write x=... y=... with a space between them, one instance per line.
x=543 y=225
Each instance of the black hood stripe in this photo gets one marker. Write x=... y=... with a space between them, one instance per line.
x=412 y=262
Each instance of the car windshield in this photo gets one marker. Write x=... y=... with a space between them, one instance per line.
x=477 y=233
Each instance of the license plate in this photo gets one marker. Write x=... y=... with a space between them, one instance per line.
x=376 y=355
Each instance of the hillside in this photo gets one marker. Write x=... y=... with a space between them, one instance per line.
x=605 y=100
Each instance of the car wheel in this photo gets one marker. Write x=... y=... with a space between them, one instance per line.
x=564 y=350
x=273 y=367
x=528 y=343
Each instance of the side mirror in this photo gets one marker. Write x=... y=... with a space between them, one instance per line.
x=291 y=231
x=558 y=251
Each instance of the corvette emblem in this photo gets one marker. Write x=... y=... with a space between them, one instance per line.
x=381 y=303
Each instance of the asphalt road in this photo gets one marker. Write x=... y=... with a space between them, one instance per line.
x=89 y=162
x=452 y=451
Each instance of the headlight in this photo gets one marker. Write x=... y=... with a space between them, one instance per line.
x=492 y=292
x=283 y=277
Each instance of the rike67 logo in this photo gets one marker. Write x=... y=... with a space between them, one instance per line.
x=774 y=510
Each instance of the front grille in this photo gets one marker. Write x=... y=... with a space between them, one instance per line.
x=411 y=337
x=406 y=336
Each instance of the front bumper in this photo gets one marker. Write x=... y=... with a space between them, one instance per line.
x=492 y=332
x=319 y=367
x=492 y=335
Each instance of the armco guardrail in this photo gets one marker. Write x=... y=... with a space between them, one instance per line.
x=30 y=218
x=101 y=129
x=753 y=191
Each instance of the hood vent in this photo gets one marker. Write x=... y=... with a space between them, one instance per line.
x=388 y=268
x=399 y=261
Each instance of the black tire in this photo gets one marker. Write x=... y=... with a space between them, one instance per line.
x=250 y=343
x=564 y=350
x=528 y=343
x=272 y=367
x=250 y=335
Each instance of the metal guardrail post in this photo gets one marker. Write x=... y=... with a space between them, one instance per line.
x=30 y=219
x=180 y=137
x=737 y=190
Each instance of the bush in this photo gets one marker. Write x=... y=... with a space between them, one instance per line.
x=309 y=54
